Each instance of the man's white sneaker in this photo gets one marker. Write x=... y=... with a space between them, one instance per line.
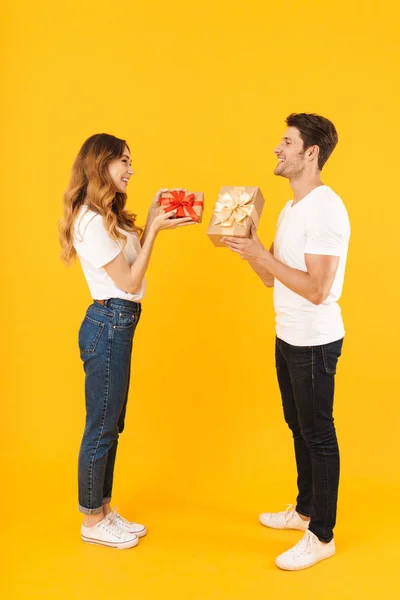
x=287 y=519
x=128 y=526
x=306 y=553
x=107 y=533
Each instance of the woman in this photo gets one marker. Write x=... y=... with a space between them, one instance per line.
x=97 y=227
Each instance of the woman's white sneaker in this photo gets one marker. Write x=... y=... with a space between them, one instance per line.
x=306 y=553
x=287 y=519
x=128 y=526
x=107 y=533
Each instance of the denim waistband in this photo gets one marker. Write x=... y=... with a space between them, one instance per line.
x=118 y=303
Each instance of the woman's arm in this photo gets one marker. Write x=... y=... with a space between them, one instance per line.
x=129 y=278
x=151 y=215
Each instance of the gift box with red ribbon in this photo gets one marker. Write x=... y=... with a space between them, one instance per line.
x=187 y=204
x=234 y=212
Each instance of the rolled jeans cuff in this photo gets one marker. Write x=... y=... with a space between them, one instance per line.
x=90 y=511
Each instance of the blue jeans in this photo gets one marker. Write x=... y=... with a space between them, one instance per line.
x=306 y=376
x=105 y=343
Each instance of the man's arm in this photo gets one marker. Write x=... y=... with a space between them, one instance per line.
x=266 y=277
x=314 y=284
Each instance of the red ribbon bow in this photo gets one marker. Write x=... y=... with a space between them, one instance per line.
x=182 y=203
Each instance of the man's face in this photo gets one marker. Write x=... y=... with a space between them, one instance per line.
x=291 y=156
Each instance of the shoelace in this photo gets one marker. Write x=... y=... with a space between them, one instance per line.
x=289 y=512
x=116 y=518
x=305 y=545
x=109 y=525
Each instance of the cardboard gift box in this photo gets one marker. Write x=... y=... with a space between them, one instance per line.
x=188 y=204
x=234 y=212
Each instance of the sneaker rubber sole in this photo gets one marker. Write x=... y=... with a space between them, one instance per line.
x=302 y=568
x=120 y=545
x=139 y=534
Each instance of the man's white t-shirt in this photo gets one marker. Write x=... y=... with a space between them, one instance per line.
x=96 y=248
x=317 y=224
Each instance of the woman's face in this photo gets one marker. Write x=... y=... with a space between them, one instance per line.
x=121 y=171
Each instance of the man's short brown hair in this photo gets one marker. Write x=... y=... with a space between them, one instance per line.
x=315 y=131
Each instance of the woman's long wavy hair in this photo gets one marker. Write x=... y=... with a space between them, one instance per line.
x=91 y=184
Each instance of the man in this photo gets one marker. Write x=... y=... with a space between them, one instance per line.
x=306 y=265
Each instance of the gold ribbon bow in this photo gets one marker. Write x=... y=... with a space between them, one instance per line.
x=233 y=207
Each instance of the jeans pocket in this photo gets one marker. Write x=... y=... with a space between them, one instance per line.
x=126 y=320
x=329 y=358
x=89 y=335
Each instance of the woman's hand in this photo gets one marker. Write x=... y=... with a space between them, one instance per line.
x=167 y=221
x=155 y=206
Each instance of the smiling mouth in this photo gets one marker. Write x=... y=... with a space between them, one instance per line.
x=125 y=180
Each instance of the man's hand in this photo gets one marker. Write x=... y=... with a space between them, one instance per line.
x=248 y=248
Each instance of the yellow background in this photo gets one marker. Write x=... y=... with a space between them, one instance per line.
x=201 y=92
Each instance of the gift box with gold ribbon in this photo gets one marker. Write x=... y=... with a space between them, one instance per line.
x=234 y=212
x=187 y=204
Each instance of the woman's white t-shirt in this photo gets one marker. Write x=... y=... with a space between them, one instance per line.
x=317 y=224
x=96 y=248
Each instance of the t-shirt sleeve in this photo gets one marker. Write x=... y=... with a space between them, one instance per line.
x=95 y=244
x=328 y=232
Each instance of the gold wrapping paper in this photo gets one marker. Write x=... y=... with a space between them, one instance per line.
x=234 y=211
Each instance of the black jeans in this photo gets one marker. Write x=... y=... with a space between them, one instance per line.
x=306 y=376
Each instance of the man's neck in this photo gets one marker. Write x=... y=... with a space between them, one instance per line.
x=303 y=186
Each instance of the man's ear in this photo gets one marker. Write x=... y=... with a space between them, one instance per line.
x=312 y=152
